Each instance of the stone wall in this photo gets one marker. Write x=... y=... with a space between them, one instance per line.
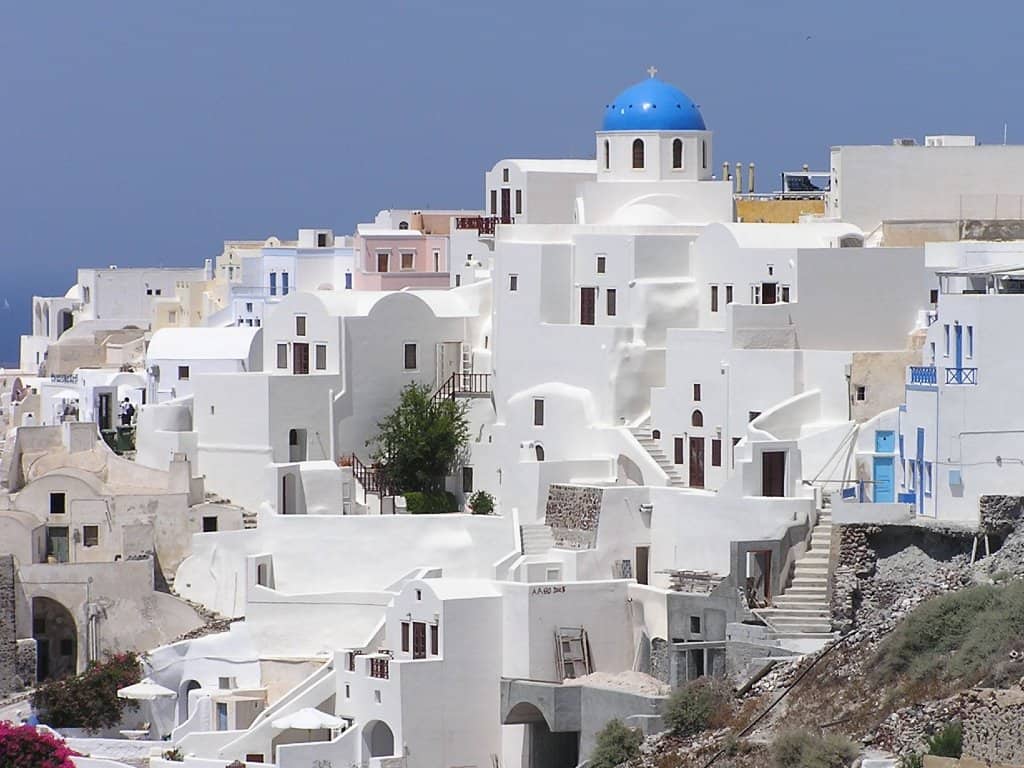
x=1000 y=514
x=573 y=512
x=8 y=640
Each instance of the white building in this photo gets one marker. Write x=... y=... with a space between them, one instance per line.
x=176 y=355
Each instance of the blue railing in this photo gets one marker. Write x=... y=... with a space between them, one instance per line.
x=961 y=375
x=922 y=374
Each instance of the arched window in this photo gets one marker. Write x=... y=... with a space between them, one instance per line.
x=638 y=153
x=677 y=153
x=704 y=153
x=656 y=434
x=539 y=451
x=403 y=225
x=607 y=155
x=697 y=419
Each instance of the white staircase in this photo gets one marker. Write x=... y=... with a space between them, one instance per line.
x=642 y=433
x=802 y=611
x=537 y=538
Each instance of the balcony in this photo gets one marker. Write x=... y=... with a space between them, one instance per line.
x=922 y=375
x=961 y=375
x=485 y=225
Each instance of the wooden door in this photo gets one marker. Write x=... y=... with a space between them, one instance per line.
x=768 y=293
x=382 y=262
x=642 y=565
x=773 y=473
x=679 y=448
x=696 y=462
x=300 y=358
x=588 y=302
x=506 y=206
x=419 y=640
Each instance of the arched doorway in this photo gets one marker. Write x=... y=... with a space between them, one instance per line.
x=543 y=747
x=184 y=705
x=378 y=739
x=56 y=636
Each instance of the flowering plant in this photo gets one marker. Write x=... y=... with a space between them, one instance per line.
x=22 y=746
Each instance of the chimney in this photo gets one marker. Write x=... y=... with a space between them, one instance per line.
x=739 y=178
x=725 y=171
x=750 y=179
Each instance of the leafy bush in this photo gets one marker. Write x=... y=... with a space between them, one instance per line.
x=616 y=743
x=431 y=503
x=89 y=700
x=957 y=636
x=949 y=742
x=911 y=761
x=482 y=503
x=803 y=749
x=696 y=706
x=22 y=746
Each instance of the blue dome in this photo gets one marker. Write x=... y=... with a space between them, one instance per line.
x=652 y=105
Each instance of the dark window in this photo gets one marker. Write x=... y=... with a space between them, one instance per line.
x=382 y=261
x=678 y=450
x=638 y=153
x=519 y=201
x=538 y=451
x=284 y=283
x=467 y=479
x=405 y=637
x=158 y=291
x=321 y=357
x=610 y=299
x=348 y=281
x=704 y=153
x=933 y=296
x=785 y=294
x=351 y=662
x=410 y=357
x=862 y=393
x=513 y=282
x=58 y=503
x=716 y=452
x=282 y=355
x=677 y=153
x=695 y=625
x=714 y=298
x=90 y=535
x=504 y=175
x=538 y=412
x=607 y=155
x=300 y=325
x=183 y=373
x=728 y=294
x=696 y=393
x=209 y=523
x=434 y=644
x=494 y=202
x=321 y=239
x=149 y=291
x=601 y=261
x=408 y=260
x=458 y=280
x=273 y=283
x=697 y=419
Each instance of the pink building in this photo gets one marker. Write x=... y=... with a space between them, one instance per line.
x=392 y=259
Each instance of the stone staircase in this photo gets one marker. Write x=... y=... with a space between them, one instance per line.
x=536 y=538
x=249 y=520
x=802 y=611
x=642 y=433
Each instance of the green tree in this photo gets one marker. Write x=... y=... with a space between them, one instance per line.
x=89 y=700
x=420 y=443
x=616 y=743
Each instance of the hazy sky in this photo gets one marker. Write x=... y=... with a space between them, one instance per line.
x=148 y=132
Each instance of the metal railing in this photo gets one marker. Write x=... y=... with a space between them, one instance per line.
x=465 y=385
x=961 y=375
x=922 y=374
x=370 y=478
x=485 y=225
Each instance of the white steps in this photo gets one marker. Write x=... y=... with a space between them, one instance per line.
x=643 y=435
x=536 y=538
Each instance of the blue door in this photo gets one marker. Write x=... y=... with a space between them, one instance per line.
x=884 y=477
x=885 y=441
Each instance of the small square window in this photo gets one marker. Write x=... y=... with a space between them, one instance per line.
x=209 y=523
x=149 y=291
x=158 y=291
x=538 y=412
x=695 y=625
x=513 y=282
x=300 y=325
x=321 y=357
x=58 y=503
x=90 y=535
x=408 y=259
x=410 y=357
x=601 y=263
x=862 y=394
x=282 y=356
x=183 y=373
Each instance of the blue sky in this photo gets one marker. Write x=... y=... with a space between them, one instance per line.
x=147 y=133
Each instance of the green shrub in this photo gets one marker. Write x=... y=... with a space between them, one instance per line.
x=616 y=743
x=957 y=636
x=911 y=761
x=803 y=749
x=431 y=502
x=696 y=706
x=89 y=700
x=949 y=742
x=482 y=503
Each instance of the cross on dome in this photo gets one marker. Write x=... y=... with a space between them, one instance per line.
x=652 y=71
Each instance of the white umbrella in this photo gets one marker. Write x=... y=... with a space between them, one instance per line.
x=308 y=719
x=146 y=690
